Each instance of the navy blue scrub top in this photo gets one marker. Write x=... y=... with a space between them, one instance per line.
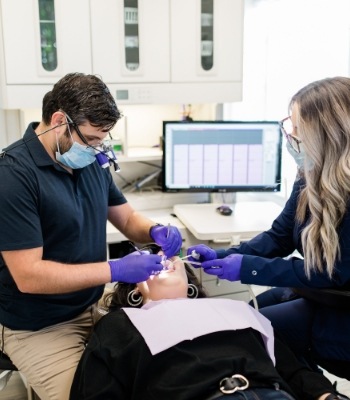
x=43 y=205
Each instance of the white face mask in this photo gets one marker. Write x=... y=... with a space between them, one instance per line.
x=299 y=158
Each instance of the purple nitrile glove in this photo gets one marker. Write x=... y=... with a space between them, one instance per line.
x=200 y=252
x=135 y=267
x=225 y=268
x=168 y=238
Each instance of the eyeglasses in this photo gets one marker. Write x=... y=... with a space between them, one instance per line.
x=101 y=146
x=89 y=142
x=286 y=126
x=93 y=142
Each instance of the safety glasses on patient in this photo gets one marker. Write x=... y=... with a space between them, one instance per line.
x=286 y=126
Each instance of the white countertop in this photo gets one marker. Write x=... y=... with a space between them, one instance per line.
x=201 y=219
x=247 y=220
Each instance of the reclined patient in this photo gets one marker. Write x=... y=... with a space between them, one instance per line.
x=164 y=340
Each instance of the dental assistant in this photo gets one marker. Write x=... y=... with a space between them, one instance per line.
x=55 y=201
x=315 y=222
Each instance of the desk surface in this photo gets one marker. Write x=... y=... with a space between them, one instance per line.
x=247 y=220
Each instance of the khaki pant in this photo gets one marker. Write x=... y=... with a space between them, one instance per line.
x=48 y=358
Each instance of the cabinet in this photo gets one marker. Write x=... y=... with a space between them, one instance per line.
x=206 y=40
x=147 y=51
x=169 y=51
x=31 y=27
x=216 y=287
x=42 y=41
x=130 y=42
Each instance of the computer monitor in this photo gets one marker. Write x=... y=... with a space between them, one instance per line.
x=221 y=156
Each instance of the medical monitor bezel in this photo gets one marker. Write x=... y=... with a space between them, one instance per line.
x=275 y=187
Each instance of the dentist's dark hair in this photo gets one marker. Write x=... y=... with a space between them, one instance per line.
x=85 y=98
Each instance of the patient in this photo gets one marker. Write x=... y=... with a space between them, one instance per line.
x=157 y=342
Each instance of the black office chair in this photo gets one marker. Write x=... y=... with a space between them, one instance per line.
x=7 y=365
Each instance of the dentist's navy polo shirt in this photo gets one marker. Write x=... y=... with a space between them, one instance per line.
x=42 y=205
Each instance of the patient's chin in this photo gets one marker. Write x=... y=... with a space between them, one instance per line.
x=169 y=293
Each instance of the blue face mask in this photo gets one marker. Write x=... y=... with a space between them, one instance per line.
x=77 y=156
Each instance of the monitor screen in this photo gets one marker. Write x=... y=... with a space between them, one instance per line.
x=221 y=156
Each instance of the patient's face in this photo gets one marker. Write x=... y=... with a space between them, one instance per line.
x=171 y=283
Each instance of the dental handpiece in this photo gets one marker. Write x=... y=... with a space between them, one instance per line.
x=191 y=262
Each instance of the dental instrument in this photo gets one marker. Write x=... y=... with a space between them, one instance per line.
x=167 y=235
x=193 y=254
x=136 y=248
x=190 y=262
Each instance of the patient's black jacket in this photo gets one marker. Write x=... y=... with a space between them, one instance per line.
x=117 y=364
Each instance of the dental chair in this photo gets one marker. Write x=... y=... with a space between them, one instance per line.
x=6 y=369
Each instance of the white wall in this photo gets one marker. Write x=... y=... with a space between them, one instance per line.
x=10 y=129
x=144 y=123
x=287 y=44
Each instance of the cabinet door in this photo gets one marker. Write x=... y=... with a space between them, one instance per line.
x=130 y=42
x=45 y=39
x=206 y=40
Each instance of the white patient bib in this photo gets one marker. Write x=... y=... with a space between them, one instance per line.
x=166 y=323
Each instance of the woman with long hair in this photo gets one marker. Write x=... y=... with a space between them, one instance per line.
x=315 y=222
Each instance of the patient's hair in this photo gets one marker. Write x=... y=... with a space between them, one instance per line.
x=118 y=298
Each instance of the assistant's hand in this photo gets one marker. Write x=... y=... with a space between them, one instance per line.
x=225 y=268
x=204 y=253
x=168 y=238
x=135 y=267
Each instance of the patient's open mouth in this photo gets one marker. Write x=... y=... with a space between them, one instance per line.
x=168 y=266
